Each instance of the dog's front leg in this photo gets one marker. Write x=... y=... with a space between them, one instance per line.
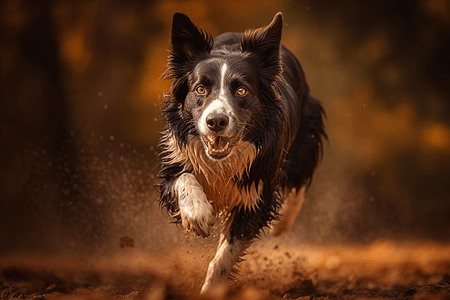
x=197 y=214
x=228 y=252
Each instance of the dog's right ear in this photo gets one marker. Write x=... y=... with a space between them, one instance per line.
x=264 y=45
x=187 y=42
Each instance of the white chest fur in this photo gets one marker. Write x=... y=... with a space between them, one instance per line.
x=218 y=177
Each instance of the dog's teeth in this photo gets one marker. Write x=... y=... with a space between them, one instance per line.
x=213 y=145
x=225 y=148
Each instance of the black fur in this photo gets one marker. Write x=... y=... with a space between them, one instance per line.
x=281 y=119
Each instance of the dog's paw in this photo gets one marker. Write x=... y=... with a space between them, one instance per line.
x=197 y=214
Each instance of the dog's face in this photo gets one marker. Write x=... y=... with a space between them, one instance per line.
x=217 y=93
x=222 y=94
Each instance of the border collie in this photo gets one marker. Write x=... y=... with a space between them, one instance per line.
x=242 y=139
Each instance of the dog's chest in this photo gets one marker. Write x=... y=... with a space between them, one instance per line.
x=225 y=193
x=219 y=178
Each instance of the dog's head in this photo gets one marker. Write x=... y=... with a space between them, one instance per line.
x=222 y=94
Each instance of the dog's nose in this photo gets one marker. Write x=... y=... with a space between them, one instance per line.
x=217 y=122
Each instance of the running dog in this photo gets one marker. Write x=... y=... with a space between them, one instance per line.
x=242 y=139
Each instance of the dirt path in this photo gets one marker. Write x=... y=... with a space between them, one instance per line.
x=382 y=270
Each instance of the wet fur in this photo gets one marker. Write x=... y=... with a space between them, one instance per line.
x=276 y=148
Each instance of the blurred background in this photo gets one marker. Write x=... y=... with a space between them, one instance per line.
x=81 y=91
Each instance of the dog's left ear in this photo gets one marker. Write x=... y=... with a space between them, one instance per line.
x=264 y=44
x=187 y=41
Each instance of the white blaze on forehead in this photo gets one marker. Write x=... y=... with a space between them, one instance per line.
x=218 y=105
x=223 y=71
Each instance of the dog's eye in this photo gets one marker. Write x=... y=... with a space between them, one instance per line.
x=200 y=90
x=241 y=91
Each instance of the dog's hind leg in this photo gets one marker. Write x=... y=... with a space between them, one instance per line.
x=288 y=212
x=303 y=158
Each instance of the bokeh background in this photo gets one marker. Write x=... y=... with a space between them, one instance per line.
x=81 y=91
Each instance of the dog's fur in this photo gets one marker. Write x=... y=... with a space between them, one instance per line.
x=243 y=137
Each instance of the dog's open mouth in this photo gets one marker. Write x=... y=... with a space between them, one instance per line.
x=217 y=147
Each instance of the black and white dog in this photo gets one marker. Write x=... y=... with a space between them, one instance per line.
x=243 y=137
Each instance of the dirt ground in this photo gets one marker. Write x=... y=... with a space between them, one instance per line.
x=381 y=270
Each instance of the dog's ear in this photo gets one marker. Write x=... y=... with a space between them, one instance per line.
x=187 y=41
x=264 y=44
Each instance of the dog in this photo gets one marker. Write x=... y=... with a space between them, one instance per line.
x=242 y=139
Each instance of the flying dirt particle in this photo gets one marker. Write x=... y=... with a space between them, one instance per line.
x=126 y=241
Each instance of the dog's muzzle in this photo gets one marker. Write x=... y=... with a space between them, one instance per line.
x=217 y=144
